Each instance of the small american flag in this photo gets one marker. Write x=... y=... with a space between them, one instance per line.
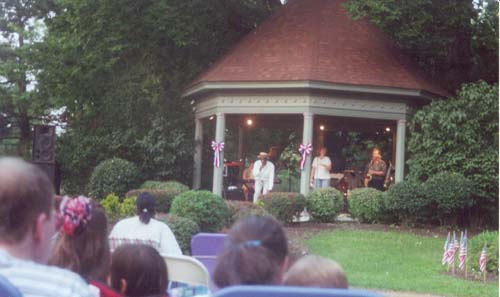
x=445 y=250
x=482 y=259
x=452 y=249
x=462 y=256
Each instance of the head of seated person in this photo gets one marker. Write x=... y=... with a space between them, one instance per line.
x=27 y=213
x=256 y=253
x=315 y=271
x=145 y=204
x=82 y=245
x=138 y=270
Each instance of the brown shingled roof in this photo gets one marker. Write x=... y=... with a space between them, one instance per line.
x=315 y=40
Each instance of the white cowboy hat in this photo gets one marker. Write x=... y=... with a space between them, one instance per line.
x=263 y=155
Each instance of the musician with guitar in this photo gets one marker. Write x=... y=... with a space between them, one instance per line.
x=377 y=169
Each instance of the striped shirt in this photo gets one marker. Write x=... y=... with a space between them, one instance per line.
x=36 y=280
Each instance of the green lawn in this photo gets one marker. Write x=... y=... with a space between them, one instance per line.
x=394 y=261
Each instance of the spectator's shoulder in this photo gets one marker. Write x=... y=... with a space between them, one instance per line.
x=65 y=283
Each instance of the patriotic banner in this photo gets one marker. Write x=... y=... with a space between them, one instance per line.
x=217 y=147
x=482 y=259
x=462 y=255
x=304 y=149
x=444 y=259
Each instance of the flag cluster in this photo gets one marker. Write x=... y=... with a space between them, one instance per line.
x=451 y=246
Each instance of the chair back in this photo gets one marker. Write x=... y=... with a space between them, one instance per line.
x=289 y=291
x=205 y=247
x=207 y=244
x=185 y=269
x=7 y=289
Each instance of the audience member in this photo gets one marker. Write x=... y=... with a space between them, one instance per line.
x=138 y=270
x=256 y=253
x=82 y=245
x=315 y=271
x=27 y=224
x=143 y=228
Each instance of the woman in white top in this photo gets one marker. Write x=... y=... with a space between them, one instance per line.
x=143 y=228
x=320 y=173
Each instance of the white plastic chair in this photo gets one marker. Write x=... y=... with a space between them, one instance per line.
x=185 y=269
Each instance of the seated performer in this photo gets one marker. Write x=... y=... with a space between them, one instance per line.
x=376 y=171
x=248 y=177
x=263 y=171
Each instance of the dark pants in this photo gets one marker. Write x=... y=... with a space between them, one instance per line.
x=377 y=183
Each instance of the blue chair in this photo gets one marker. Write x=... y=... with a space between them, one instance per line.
x=289 y=291
x=7 y=289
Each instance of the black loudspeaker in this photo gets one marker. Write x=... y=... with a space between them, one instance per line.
x=44 y=138
x=52 y=173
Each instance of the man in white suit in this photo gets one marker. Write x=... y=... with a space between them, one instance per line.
x=263 y=172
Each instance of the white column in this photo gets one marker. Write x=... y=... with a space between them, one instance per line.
x=241 y=136
x=220 y=127
x=400 y=151
x=198 y=153
x=307 y=137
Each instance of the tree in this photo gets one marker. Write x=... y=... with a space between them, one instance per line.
x=454 y=41
x=459 y=135
x=20 y=103
x=119 y=67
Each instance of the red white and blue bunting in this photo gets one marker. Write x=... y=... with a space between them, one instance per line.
x=217 y=147
x=304 y=149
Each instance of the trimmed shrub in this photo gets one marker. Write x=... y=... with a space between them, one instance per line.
x=283 y=205
x=113 y=176
x=406 y=200
x=164 y=192
x=450 y=191
x=165 y=185
x=241 y=209
x=325 y=204
x=184 y=229
x=163 y=198
x=366 y=204
x=208 y=210
x=476 y=247
x=116 y=210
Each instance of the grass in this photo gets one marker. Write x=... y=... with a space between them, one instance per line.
x=395 y=261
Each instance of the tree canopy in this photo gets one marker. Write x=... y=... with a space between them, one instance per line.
x=459 y=135
x=119 y=67
x=20 y=102
x=455 y=41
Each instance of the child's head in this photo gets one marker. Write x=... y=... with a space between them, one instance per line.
x=138 y=270
x=315 y=271
x=255 y=253
x=82 y=245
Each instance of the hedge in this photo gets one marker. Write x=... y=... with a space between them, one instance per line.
x=325 y=204
x=283 y=205
x=208 y=210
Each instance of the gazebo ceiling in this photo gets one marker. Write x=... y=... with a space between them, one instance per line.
x=310 y=41
x=294 y=121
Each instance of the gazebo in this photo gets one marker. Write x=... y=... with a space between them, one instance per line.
x=310 y=60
